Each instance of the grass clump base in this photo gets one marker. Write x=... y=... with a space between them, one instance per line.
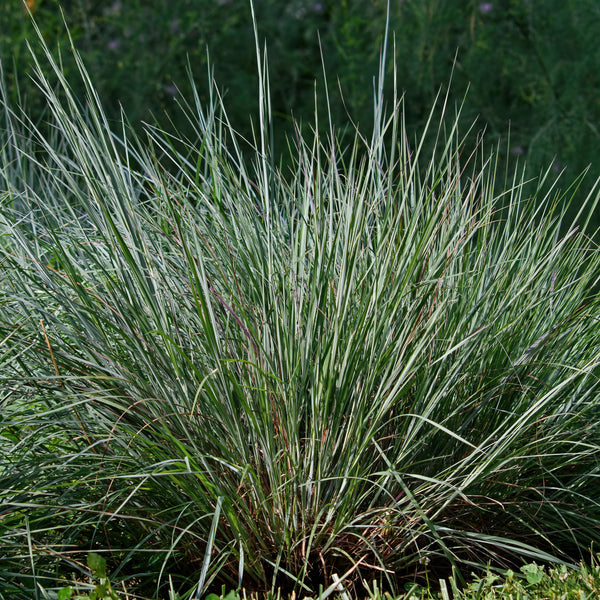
x=534 y=583
x=369 y=367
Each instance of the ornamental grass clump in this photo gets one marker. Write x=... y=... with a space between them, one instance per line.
x=216 y=371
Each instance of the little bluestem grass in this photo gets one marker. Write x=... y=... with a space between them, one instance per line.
x=370 y=366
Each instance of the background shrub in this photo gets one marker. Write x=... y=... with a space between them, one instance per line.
x=532 y=68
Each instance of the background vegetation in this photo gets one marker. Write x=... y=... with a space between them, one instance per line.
x=533 y=68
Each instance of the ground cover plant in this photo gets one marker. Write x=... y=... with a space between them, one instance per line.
x=533 y=583
x=216 y=371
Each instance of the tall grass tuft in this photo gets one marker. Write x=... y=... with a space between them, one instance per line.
x=217 y=372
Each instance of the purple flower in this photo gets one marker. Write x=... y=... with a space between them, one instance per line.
x=486 y=7
x=518 y=150
x=318 y=7
x=113 y=9
x=113 y=44
x=171 y=90
x=174 y=25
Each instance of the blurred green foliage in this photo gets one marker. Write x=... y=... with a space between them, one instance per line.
x=532 y=68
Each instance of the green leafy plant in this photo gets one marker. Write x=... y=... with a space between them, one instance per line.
x=533 y=573
x=102 y=590
x=369 y=366
x=554 y=583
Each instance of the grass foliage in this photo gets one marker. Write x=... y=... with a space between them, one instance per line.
x=218 y=372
